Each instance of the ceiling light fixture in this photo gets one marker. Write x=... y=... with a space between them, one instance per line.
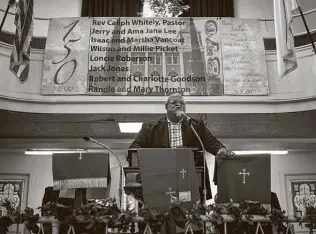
x=53 y=151
x=238 y=152
x=131 y=127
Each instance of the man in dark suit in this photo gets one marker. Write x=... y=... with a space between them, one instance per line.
x=173 y=130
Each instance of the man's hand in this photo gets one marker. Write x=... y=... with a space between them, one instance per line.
x=225 y=153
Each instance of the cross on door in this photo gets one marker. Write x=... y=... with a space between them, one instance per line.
x=183 y=172
x=243 y=173
x=190 y=61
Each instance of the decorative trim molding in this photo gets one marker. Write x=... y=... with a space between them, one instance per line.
x=15 y=145
x=54 y=105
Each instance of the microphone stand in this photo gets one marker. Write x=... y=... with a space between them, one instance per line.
x=204 y=160
x=87 y=138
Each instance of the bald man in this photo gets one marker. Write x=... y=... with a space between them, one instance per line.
x=173 y=130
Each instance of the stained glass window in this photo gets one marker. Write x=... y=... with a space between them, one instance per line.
x=155 y=73
x=303 y=195
x=173 y=73
x=13 y=191
x=137 y=74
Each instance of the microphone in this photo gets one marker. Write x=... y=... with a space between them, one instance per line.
x=87 y=138
x=181 y=113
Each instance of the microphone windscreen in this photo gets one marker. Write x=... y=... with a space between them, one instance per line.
x=179 y=113
x=86 y=138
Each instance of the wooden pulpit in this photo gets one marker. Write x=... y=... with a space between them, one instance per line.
x=133 y=184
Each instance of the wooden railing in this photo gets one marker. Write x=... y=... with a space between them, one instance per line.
x=49 y=220
x=257 y=219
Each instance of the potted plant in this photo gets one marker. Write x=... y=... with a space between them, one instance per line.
x=10 y=216
x=13 y=216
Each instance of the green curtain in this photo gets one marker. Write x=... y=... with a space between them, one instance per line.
x=111 y=8
x=209 y=8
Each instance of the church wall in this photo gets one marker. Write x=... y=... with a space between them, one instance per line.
x=137 y=68
x=294 y=163
x=153 y=67
x=253 y=9
x=258 y=9
x=39 y=169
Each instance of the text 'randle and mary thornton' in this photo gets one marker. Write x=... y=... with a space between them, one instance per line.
x=123 y=44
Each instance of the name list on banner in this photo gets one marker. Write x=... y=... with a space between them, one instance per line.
x=154 y=56
x=151 y=56
x=244 y=61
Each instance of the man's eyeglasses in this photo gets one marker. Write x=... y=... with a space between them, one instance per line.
x=177 y=102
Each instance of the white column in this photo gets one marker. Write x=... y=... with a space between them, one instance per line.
x=146 y=84
x=128 y=73
x=164 y=69
x=182 y=85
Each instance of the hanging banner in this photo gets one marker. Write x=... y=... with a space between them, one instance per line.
x=244 y=60
x=138 y=56
x=66 y=57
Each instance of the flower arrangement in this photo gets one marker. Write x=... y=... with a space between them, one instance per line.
x=309 y=219
x=12 y=215
x=95 y=214
x=105 y=213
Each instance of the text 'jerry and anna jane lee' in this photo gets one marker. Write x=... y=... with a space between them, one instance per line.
x=132 y=31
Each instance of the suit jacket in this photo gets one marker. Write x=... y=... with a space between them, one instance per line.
x=156 y=135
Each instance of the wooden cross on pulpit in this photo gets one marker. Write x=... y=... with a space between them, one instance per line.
x=170 y=193
x=244 y=173
x=183 y=173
